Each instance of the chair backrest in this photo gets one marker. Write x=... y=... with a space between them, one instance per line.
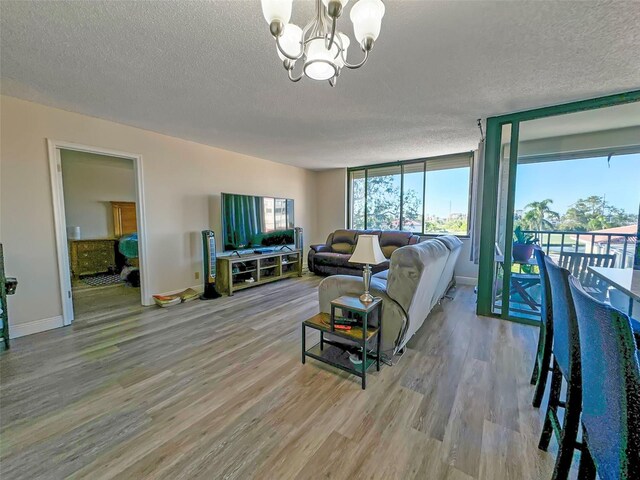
x=545 y=291
x=566 y=344
x=610 y=386
x=577 y=263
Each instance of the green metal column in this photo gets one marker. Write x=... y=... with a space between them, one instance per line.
x=489 y=214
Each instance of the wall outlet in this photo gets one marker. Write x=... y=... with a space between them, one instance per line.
x=197 y=275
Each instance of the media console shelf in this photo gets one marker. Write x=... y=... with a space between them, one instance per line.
x=235 y=272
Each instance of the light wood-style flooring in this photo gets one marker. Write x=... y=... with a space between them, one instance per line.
x=216 y=390
x=92 y=303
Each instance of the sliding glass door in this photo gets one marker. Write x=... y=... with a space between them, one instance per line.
x=564 y=179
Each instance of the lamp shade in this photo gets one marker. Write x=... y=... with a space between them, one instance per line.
x=366 y=16
x=290 y=41
x=342 y=57
x=342 y=2
x=320 y=63
x=277 y=10
x=368 y=251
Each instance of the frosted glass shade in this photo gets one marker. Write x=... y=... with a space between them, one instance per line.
x=343 y=2
x=368 y=251
x=277 y=10
x=290 y=41
x=345 y=45
x=320 y=63
x=366 y=16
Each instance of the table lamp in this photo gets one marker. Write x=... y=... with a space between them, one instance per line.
x=367 y=252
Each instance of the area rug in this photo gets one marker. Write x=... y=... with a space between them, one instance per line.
x=102 y=279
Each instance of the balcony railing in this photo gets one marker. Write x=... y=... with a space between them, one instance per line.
x=556 y=242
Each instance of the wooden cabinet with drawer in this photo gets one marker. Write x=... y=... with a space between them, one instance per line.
x=91 y=256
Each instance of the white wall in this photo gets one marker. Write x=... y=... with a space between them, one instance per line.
x=331 y=201
x=91 y=183
x=182 y=181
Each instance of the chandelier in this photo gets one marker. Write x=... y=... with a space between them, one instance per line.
x=320 y=47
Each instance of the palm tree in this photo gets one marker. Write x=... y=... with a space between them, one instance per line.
x=538 y=215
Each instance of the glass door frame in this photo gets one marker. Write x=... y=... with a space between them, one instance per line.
x=489 y=224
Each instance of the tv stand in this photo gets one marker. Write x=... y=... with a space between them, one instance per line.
x=235 y=272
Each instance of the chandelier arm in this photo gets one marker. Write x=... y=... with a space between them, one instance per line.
x=357 y=65
x=290 y=57
x=292 y=78
x=333 y=33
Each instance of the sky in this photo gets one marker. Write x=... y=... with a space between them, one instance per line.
x=566 y=181
x=447 y=190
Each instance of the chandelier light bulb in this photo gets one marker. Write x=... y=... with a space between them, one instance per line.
x=290 y=41
x=345 y=46
x=366 y=16
x=320 y=62
x=277 y=10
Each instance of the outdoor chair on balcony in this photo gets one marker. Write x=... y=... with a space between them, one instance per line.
x=578 y=264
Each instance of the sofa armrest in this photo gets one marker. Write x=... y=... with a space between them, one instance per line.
x=320 y=248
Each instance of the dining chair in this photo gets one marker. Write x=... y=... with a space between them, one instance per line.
x=610 y=390
x=542 y=364
x=566 y=365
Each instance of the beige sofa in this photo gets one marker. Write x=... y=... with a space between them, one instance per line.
x=418 y=277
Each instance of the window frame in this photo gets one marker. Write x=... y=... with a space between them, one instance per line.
x=402 y=164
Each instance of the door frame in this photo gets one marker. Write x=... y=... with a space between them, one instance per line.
x=491 y=186
x=60 y=222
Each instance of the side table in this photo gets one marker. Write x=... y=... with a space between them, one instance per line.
x=366 y=325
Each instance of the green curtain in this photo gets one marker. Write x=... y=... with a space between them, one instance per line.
x=243 y=220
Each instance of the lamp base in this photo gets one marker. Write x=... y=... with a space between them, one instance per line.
x=366 y=277
x=366 y=298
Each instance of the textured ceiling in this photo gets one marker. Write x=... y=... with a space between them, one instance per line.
x=208 y=71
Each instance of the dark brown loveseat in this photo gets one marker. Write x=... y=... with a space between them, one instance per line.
x=332 y=257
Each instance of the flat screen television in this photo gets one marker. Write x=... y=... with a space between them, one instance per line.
x=251 y=222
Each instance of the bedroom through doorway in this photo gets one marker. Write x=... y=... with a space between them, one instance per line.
x=98 y=227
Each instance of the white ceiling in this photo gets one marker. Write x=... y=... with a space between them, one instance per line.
x=208 y=71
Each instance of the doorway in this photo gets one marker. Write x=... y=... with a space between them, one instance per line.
x=100 y=230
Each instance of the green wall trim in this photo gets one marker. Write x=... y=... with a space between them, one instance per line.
x=571 y=107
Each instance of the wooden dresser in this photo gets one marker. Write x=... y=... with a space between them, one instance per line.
x=91 y=256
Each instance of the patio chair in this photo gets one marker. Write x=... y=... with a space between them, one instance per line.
x=578 y=264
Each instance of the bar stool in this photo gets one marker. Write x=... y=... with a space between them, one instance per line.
x=542 y=364
x=566 y=365
x=611 y=390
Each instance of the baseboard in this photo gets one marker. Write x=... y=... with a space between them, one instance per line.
x=466 y=281
x=36 y=326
